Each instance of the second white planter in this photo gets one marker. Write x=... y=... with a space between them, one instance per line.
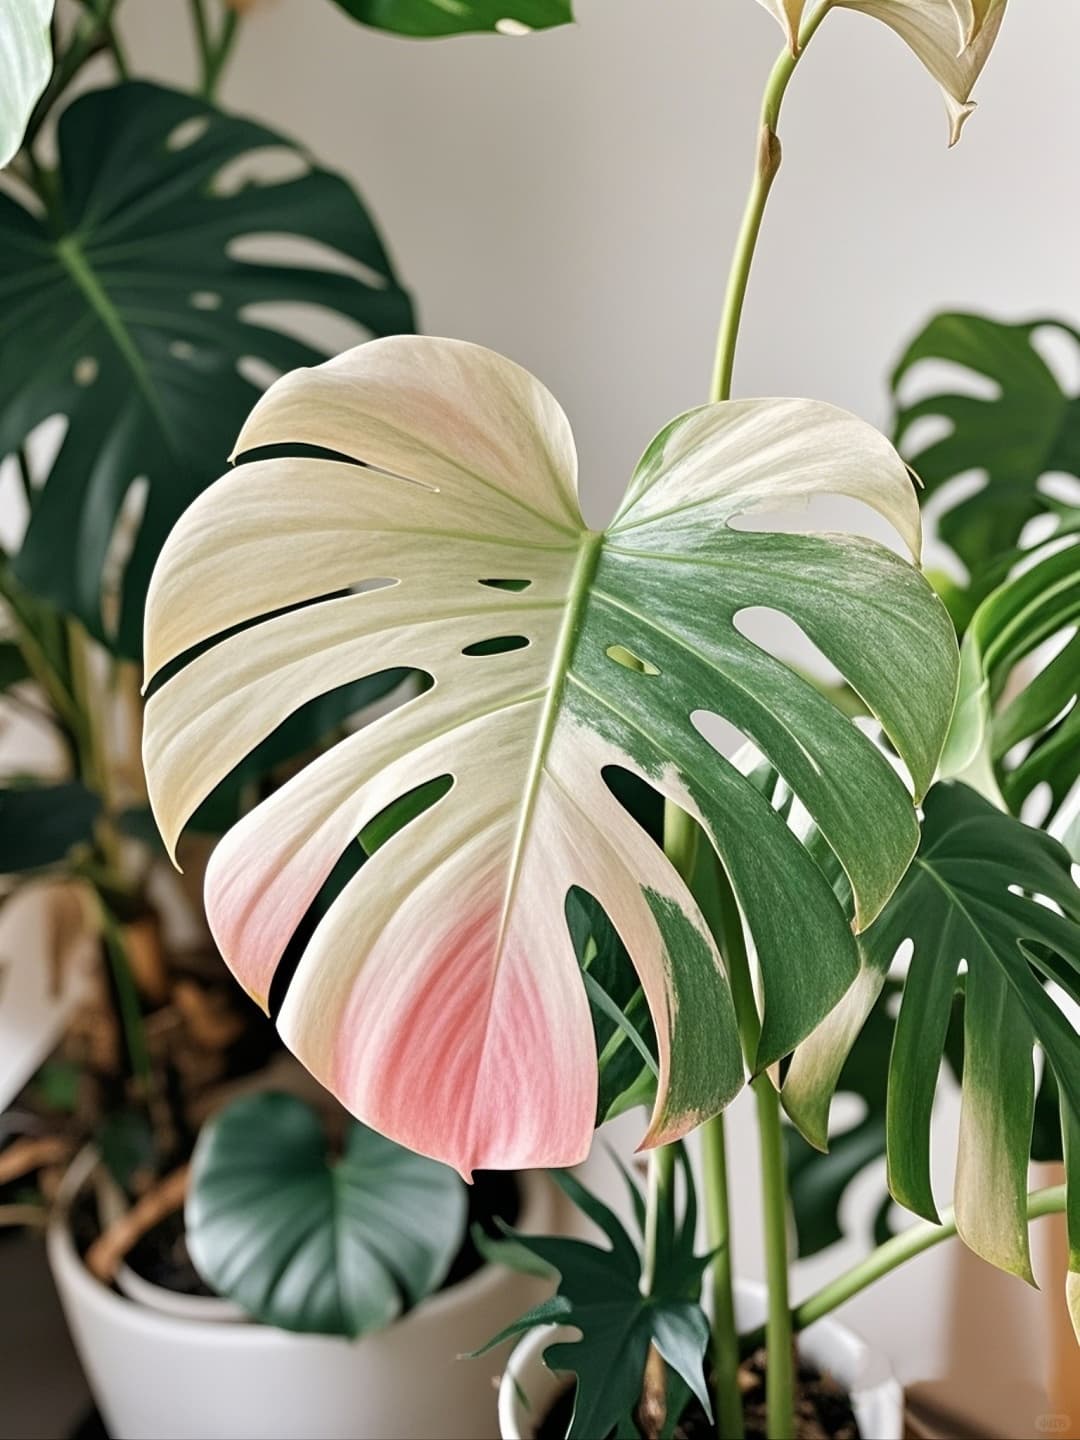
x=157 y=1376
x=529 y=1388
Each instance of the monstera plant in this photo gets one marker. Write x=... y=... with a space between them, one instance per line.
x=1014 y=593
x=413 y=503
x=515 y=936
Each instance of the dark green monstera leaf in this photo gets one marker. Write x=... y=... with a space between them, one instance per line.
x=600 y=1294
x=423 y=18
x=128 y=309
x=989 y=905
x=41 y=824
x=1010 y=737
x=307 y=1241
x=1023 y=427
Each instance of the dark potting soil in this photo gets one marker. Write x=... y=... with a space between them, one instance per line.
x=822 y=1409
x=161 y=1255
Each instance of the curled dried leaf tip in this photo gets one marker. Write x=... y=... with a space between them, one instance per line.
x=952 y=38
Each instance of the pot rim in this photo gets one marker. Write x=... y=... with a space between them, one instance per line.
x=537 y=1200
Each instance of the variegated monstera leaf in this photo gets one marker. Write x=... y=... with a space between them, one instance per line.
x=440 y=996
x=952 y=38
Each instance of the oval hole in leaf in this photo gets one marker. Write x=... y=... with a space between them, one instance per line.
x=274 y=247
x=638 y=798
x=188 y=133
x=266 y=165
x=497 y=645
x=622 y=656
x=120 y=548
x=257 y=371
x=402 y=811
x=1058 y=349
x=773 y=631
x=377 y=832
x=515 y=585
x=315 y=326
x=932 y=377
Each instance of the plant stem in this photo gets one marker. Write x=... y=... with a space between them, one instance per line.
x=780 y=1376
x=202 y=40
x=915 y=1240
x=92 y=31
x=659 y=1231
x=212 y=53
x=780 y=1369
x=765 y=170
x=131 y=1019
x=720 y=909
x=659 y=1212
x=92 y=760
x=680 y=846
x=123 y=69
x=725 y=1339
x=221 y=53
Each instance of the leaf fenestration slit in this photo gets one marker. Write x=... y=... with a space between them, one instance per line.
x=622 y=655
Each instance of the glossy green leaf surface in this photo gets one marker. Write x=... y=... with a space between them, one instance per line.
x=41 y=824
x=25 y=66
x=423 y=18
x=599 y=1293
x=1008 y=418
x=307 y=1241
x=1010 y=736
x=973 y=898
x=142 y=305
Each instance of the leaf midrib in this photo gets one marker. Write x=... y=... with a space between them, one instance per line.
x=952 y=895
x=86 y=281
x=577 y=596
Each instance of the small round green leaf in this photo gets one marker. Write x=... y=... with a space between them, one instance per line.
x=307 y=1241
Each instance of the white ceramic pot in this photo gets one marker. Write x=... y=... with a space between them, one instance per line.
x=157 y=1376
x=528 y=1387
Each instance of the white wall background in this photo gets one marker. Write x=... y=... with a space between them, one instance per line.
x=571 y=198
